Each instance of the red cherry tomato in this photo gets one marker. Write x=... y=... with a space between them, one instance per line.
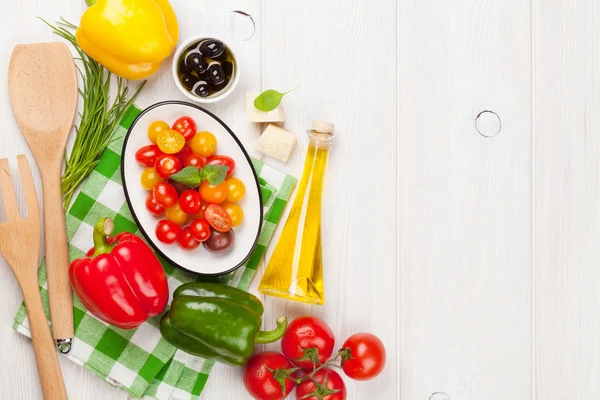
x=200 y=230
x=147 y=155
x=308 y=335
x=259 y=380
x=164 y=194
x=364 y=358
x=186 y=126
x=195 y=160
x=334 y=388
x=167 y=231
x=167 y=165
x=186 y=241
x=190 y=202
x=152 y=206
x=184 y=153
x=218 y=218
x=226 y=161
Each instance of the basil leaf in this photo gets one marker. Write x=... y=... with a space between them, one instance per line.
x=214 y=174
x=269 y=100
x=189 y=176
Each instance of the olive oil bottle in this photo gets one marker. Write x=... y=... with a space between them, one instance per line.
x=295 y=271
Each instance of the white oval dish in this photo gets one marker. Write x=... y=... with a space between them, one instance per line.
x=198 y=261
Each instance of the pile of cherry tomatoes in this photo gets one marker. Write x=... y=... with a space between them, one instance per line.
x=212 y=210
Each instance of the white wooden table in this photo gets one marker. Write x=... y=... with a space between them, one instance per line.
x=475 y=259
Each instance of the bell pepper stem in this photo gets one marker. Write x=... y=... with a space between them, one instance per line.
x=90 y=2
x=104 y=227
x=263 y=337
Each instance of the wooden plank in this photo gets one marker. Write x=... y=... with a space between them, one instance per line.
x=465 y=200
x=566 y=121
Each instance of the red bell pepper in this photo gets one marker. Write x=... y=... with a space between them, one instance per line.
x=120 y=281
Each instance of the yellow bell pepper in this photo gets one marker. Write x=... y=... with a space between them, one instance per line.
x=130 y=38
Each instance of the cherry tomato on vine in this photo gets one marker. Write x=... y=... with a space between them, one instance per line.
x=176 y=214
x=190 y=202
x=236 y=213
x=170 y=142
x=152 y=206
x=155 y=128
x=309 y=338
x=225 y=161
x=165 y=194
x=167 y=231
x=213 y=194
x=167 y=165
x=217 y=218
x=333 y=389
x=236 y=190
x=204 y=143
x=259 y=378
x=150 y=178
x=186 y=240
x=186 y=126
x=195 y=160
x=364 y=356
x=147 y=155
x=200 y=229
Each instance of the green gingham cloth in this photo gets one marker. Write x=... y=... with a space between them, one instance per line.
x=140 y=360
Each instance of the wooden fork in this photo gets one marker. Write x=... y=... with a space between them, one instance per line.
x=20 y=246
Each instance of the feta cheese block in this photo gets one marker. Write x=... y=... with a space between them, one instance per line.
x=276 y=142
x=254 y=115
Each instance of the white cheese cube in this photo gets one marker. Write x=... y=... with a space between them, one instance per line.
x=254 y=115
x=277 y=143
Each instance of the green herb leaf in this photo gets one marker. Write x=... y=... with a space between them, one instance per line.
x=214 y=174
x=189 y=176
x=269 y=99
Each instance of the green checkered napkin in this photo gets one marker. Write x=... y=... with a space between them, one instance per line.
x=140 y=360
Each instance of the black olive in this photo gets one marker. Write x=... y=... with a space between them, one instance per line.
x=214 y=49
x=189 y=80
x=201 y=89
x=227 y=67
x=215 y=73
x=219 y=242
x=196 y=61
x=183 y=69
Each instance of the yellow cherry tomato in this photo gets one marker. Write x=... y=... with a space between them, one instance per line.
x=150 y=178
x=236 y=190
x=236 y=213
x=155 y=128
x=204 y=143
x=213 y=194
x=170 y=142
x=176 y=214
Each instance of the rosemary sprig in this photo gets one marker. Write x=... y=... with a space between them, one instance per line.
x=99 y=117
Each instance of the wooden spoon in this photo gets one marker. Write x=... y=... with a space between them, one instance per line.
x=42 y=86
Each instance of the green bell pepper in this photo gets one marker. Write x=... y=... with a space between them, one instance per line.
x=217 y=322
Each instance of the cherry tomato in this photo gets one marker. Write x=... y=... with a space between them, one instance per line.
x=333 y=389
x=200 y=229
x=225 y=161
x=152 y=206
x=259 y=380
x=195 y=160
x=147 y=155
x=219 y=242
x=170 y=142
x=217 y=218
x=176 y=214
x=364 y=358
x=167 y=165
x=304 y=334
x=186 y=126
x=184 y=153
x=236 y=190
x=167 y=231
x=155 y=128
x=150 y=178
x=204 y=143
x=213 y=194
x=186 y=240
x=165 y=194
x=236 y=213
x=190 y=202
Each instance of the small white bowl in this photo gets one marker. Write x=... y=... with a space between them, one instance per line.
x=212 y=98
